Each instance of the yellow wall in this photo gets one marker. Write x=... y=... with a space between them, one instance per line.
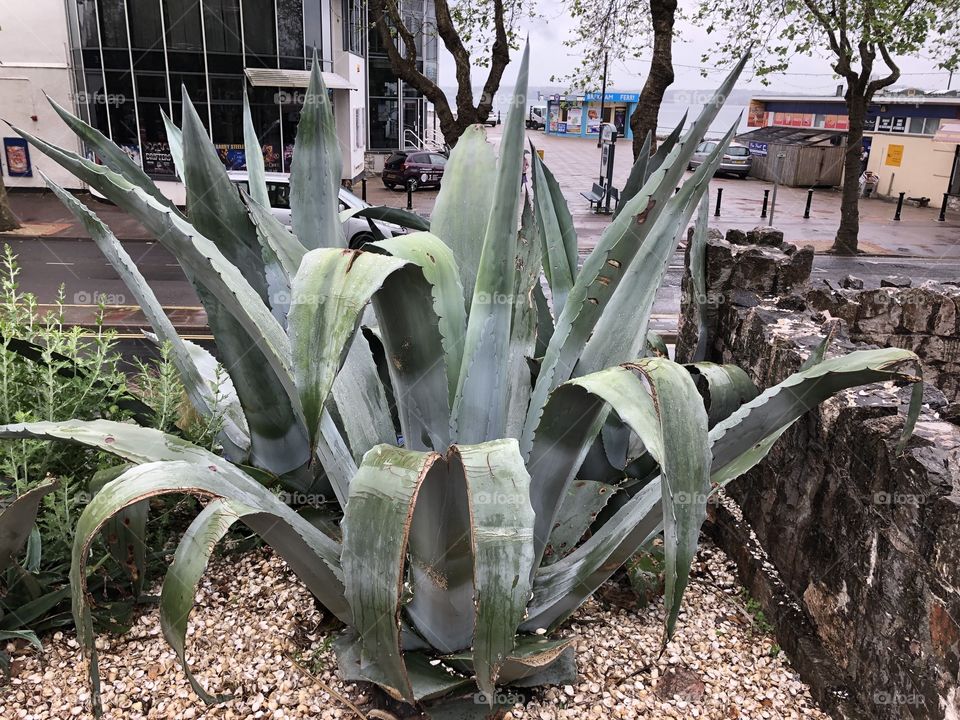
x=924 y=167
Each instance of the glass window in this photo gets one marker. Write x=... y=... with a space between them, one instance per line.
x=113 y=24
x=820 y=120
x=383 y=83
x=384 y=125
x=279 y=194
x=736 y=151
x=182 y=21
x=916 y=125
x=438 y=160
x=145 y=27
x=353 y=26
x=221 y=20
x=290 y=20
x=931 y=126
x=259 y=32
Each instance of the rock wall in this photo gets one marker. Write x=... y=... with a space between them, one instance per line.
x=854 y=551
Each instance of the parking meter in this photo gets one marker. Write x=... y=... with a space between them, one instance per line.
x=608 y=147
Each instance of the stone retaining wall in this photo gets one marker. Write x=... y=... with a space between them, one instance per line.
x=854 y=551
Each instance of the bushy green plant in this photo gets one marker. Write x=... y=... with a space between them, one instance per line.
x=52 y=372
x=462 y=546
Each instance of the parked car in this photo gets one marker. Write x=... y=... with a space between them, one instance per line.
x=414 y=169
x=736 y=161
x=356 y=229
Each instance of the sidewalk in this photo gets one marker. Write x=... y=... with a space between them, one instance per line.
x=43 y=216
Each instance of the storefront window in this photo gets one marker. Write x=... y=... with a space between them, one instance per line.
x=384 y=124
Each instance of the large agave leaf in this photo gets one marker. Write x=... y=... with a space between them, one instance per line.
x=604 y=269
x=256 y=174
x=376 y=527
x=698 y=275
x=439 y=267
x=558 y=237
x=523 y=332
x=620 y=332
x=465 y=202
x=182 y=579
x=295 y=539
x=479 y=411
x=501 y=530
x=174 y=142
x=316 y=169
x=214 y=205
x=398 y=216
x=724 y=388
x=738 y=443
x=361 y=403
x=531 y=656
x=580 y=507
x=275 y=238
x=665 y=148
x=329 y=294
x=111 y=155
x=133 y=443
x=744 y=438
x=413 y=350
x=17 y=522
x=638 y=174
x=235 y=437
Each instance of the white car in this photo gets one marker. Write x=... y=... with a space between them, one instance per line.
x=356 y=229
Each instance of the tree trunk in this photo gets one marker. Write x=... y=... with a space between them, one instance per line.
x=849 y=230
x=647 y=112
x=8 y=221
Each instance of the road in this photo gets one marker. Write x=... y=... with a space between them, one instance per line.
x=47 y=263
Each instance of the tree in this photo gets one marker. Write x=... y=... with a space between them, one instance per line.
x=8 y=221
x=864 y=39
x=621 y=30
x=472 y=40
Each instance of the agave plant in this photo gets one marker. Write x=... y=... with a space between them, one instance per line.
x=522 y=408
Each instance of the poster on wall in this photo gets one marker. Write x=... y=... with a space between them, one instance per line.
x=756 y=114
x=894 y=155
x=232 y=156
x=573 y=119
x=17 y=155
x=157 y=159
x=593 y=121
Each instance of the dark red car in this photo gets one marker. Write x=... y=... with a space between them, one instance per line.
x=413 y=169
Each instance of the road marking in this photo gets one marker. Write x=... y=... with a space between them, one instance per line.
x=59 y=263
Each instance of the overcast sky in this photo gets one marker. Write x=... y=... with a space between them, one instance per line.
x=806 y=75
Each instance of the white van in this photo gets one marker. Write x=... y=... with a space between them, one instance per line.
x=356 y=229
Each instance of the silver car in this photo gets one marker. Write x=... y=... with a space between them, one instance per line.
x=737 y=160
x=356 y=229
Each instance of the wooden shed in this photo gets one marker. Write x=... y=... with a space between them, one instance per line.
x=812 y=157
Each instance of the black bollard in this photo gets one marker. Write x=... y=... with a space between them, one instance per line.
x=363 y=189
x=409 y=197
x=896 y=215
x=943 y=208
x=716 y=213
x=806 y=210
x=766 y=199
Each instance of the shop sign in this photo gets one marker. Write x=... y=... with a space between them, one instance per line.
x=894 y=155
x=17 y=155
x=758 y=148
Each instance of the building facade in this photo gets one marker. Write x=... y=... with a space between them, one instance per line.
x=582 y=115
x=119 y=64
x=910 y=143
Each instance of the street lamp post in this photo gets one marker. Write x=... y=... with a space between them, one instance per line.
x=603 y=91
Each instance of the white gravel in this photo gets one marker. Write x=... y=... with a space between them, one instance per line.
x=257 y=635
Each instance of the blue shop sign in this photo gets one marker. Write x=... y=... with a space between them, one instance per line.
x=758 y=148
x=613 y=97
